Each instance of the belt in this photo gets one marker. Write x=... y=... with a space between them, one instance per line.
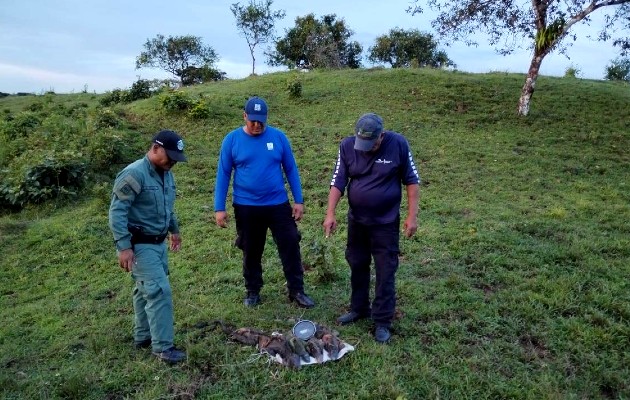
x=141 y=238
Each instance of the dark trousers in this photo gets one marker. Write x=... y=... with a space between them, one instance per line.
x=252 y=223
x=380 y=242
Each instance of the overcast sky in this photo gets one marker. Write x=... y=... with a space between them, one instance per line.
x=71 y=45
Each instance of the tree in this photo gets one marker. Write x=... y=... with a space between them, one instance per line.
x=618 y=70
x=314 y=43
x=543 y=23
x=195 y=75
x=404 y=48
x=183 y=56
x=255 y=23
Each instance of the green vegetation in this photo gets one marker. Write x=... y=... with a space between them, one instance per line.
x=402 y=48
x=316 y=43
x=515 y=286
x=618 y=70
x=185 y=57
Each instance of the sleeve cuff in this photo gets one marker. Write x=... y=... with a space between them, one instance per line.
x=123 y=245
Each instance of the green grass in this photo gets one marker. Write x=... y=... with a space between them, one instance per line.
x=515 y=286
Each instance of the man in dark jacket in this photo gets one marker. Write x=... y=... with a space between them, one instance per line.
x=373 y=165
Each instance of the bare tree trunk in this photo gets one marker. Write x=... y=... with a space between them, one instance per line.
x=252 y=46
x=530 y=83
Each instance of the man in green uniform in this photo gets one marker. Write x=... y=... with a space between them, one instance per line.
x=141 y=216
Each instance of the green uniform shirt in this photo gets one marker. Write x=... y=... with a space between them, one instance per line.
x=142 y=198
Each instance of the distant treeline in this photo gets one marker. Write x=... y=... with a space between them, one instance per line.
x=2 y=94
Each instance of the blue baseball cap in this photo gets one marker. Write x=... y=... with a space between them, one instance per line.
x=256 y=110
x=366 y=131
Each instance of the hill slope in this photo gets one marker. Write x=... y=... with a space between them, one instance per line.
x=515 y=285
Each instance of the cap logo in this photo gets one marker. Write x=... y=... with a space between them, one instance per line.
x=365 y=134
x=257 y=107
x=180 y=145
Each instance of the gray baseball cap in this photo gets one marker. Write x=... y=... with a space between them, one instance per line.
x=366 y=131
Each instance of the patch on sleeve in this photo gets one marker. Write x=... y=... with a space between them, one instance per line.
x=127 y=188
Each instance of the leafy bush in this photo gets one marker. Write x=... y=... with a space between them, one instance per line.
x=106 y=150
x=141 y=89
x=52 y=177
x=78 y=110
x=114 y=97
x=106 y=118
x=618 y=70
x=176 y=101
x=571 y=72
x=37 y=106
x=22 y=124
x=200 y=110
x=294 y=87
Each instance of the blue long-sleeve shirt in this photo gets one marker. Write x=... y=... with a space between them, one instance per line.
x=258 y=163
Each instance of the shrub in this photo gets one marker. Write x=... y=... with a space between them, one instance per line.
x=106 y=150
x=114 y=97
x=78 y=110
x=106 y=118
x=294 y=87
x=618 y=70
x=176 y=101
x=52 y=177
x=571 y=72
x=199 y=110
x=22 y=124
x=37 y=106
x=141 y=89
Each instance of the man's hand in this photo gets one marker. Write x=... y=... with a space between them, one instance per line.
x=330 y=224
x=298 y=211
x=221 y=218
x=126 y=259
x=410 y=226
x=176 y=242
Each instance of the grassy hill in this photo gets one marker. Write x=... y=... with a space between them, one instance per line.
x=515 y=286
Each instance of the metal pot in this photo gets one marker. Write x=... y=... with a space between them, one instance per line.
x=304 y=329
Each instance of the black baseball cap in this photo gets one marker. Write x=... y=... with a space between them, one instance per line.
x=172 y=143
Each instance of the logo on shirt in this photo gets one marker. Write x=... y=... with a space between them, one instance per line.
x=269 y=146
x=382 y=161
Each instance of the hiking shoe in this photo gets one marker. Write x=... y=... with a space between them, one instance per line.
x=171 y=356
x=302 y=299
x=382 y=334
x=143 y=344
x=351 y=317
x=252 y=299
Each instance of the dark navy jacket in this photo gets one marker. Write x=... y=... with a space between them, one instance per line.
x=374 y=180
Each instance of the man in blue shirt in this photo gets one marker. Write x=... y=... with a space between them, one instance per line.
x=374 y=165
x=258 y=154
x=141 y=216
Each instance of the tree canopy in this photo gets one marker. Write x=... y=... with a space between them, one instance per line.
x=256 y=23
x=404 y=48
x=317 y=43
x=183 y=56
x=544 y=24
